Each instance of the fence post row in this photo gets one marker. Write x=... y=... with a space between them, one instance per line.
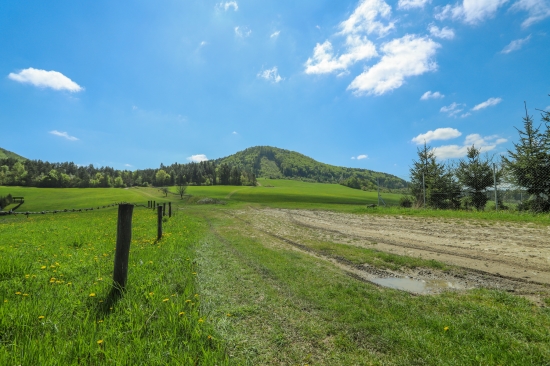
x=159 y=222
x=123 y=240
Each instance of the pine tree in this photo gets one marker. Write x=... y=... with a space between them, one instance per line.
x=476 y=175
x=529 y=163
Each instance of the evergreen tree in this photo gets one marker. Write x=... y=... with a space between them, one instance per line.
x=529 y=163
x=476 y=174
x=442 y=190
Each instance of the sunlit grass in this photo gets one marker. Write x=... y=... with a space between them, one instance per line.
x=55 y=284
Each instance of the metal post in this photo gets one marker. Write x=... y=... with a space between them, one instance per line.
x=164 y=209
x=424 y=189
x=159 y=222
x=169 y=209
x=378 y=181
x=123 y=240
x=495 y=180
x=154 y=204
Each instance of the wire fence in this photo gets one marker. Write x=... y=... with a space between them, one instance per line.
x=44 y=212
x=497 y=188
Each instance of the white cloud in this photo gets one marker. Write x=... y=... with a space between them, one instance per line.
x=45 y=79
x=242 y=31
x=471 y=11
x=445 y=32
x=365 y=19
x=228 y=4
x=271 y=75
x=488 y=103
x=128 y=165
x=197 y=158
x=234 y=133
x=547 y=108
x=537 y=10
x=408 y=4
x=64 y=134
x=429 y=95
x=275 y=34
x=403 y=57
x=464 y=115
x=515 y=45
x=203 y=43
x=446 y=133
x=361 y=157
x=484 y=144
x=453 y=109
x=324 y=61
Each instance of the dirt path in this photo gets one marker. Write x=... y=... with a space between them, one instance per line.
x=514 y=257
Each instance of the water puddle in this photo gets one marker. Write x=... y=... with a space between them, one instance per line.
x=416 y=286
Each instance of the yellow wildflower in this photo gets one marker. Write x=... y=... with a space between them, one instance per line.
x=43 y=267
x=92 y=294
x=100 y=342
x=180 y=314
x=201 y=320
x=41 y=317
x=446 y=329
x=165 y=300
x=18 y=293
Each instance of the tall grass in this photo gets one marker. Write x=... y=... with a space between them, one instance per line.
x=55 y=293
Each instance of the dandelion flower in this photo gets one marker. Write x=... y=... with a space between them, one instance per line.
x=194 y=273
x=228 y=314
x=165 y=300
x=41 y=317
x=100 y=342
x=25 y=294
x=100 y=321
x=187 y=300
x=92 y=294
x=446 y=329
x=180 y=314
x=6 y=300
x=201 y=320
x=209 y=337
x=196 y=295
x=18 y=293
x=43 y=267
x=151 y=293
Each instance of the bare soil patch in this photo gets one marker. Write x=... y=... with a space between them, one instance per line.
x=510 y=257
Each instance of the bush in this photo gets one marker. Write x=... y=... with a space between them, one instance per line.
x=406 y=201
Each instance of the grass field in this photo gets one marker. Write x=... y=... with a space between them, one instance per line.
x=213 y=291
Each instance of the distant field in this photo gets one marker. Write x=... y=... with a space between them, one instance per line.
x=291 y=191
x=39 y=199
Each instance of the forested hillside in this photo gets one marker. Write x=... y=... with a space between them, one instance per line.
x=272 y=162
x=241 y=168
x=5 y=154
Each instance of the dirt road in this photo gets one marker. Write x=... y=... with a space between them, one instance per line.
x=514 y=257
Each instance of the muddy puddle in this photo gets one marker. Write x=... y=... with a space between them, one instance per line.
x=416 y=286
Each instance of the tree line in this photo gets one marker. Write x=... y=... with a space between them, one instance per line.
x=471 y=181
x=37 y=173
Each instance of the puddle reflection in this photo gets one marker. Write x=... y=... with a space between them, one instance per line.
x=416 y=286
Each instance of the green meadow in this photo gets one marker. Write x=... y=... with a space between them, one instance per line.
x=213 y=291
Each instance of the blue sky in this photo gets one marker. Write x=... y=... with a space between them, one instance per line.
x=349 y=83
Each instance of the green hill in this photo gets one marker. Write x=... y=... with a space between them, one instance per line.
x=272 y=162
x=5 y=154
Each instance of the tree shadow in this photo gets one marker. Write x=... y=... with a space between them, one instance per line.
x=115 y=294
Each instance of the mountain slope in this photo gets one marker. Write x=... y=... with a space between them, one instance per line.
x=5 y=154
x=272 y=162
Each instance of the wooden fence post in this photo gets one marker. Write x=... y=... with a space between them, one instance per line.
x=164 y=209
x=123 y=240
x=154 y=204
x=169 y=209
x=159 y=222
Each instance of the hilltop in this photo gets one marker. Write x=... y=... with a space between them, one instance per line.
x=5 y=154
x=272 y=162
